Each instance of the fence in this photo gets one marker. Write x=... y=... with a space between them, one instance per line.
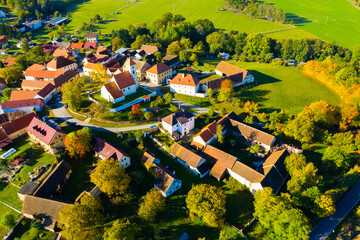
x=127 y=105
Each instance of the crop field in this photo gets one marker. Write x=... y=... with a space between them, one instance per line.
x=335 y=20
x=146 y=11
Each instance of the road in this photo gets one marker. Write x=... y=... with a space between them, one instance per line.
x=344 y=206
x=60 y=112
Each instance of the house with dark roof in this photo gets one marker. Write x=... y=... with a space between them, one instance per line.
x=105 y=150
x=61 y=63
x=120 y=86
x=184 y=84
x=171 y=60
x=95 y=58
x=54 y=180
x=27 y=105
x=17 y=127
x=43 y=209
x=27 y=189
x=46 y=93
x=190 y=160
x=179 y=124
x=49 y=138
x=159 y=73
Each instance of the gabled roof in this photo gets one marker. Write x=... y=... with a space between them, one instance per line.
x=149 y=49
x=44 y=73
x=107 y=150
x=252 y=133
x=225 y=159
x=124 y=80
x=90 y=65
x=185 y=80
x=164 y=178
x=76 y=45
x=18 y=124
x=247 y=172
x=46 y=90
x=22 y=103
x=22 y=95
x=89 y=45
x=180 y=117
x=129 y=62
x=208 y=132
x=63 y=78
x=159 y=68
x=43 y=208
x=59 y=62
x=230 y=69
x=38 y=84
x=102 y=50
x=114 y=91
x=147 y=159
x=61 y=53
x=28 y=188
x=142 y=65
x=50 y=184
x=42 y=131
x=91 y=35
x=185 y=155
x=216 y=83
x=9 y=61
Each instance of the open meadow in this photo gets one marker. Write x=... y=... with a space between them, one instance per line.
x=146 y=11
x=335 y=20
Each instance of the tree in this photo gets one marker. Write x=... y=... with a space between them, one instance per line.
x=82 y=220
x=227 y=233
x=98 y=110
x=98 y=74
x=323 y=113
x=25 y=47
x=194 y=58
x=158 y=57
x=135 y=109
x=251 y=107
x=168 y=98
x=226 y=91
x=121 y=229
x=78 y=143
x=72 y=95
x=303 y=174
x=335 y=156
x=184 y=55
x=207 y=202
x=8 y=220
x=148 y=115
x=11 y=74
x=117 y=43
x=210 y=93
x=151 y=206
x=219 y=133
x=173 y=48
x=278 y=219
x=324 y=205
x=210 y=113
x=138 y=136
x=110 y=177
x=6 y=93
x=302 y=128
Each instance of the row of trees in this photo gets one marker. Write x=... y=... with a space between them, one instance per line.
x=259 y=9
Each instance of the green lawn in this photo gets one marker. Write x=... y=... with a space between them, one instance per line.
x=27 y=231
x=335 y=20
x=8 y=194
x=4 y=209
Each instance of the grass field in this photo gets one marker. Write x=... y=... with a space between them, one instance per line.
x=146 y=11
x=335 y=20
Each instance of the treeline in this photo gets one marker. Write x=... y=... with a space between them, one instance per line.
x=170 y=28
x=7 y=31
x=257 y=9
x=39 y=8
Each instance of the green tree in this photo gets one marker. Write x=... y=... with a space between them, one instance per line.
x=278 y=219
x=151 y=206
x=117 y=43
x=6 y=93
x=226 y=91
x=184 y=55
x=207 y=202
x=335 y=156
x=219 y=134
x=72 y=95
x=8 y=220
x=121 y=229
x=210 y=92
x=25 y=47
x=324 y=205
x=173 y=48
x=110 y=177
x=185 y=43
x=302 y=128
x=210 y=113
x=82 y=220
x=323 y=113
x=158 y=57
x=11 y=74
x=78 y=143
x=148 y=115
x=168 y=98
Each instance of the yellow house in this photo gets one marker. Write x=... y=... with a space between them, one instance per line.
x=16 y=128
x=51 y=139
x=159 y=73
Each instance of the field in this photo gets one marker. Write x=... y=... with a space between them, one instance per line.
x=335 y=20
x=140 y=13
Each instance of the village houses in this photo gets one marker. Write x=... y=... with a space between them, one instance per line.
x=184 y=84
x=159 y=73
x=179 y=124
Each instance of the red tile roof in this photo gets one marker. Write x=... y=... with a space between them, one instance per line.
x=159 y=68
x=76 y=45
x=18 y=124
x=149 y=49
x=89 y=45
x=22 y=95
x=37 y=84
x=185 y=79
x=9 y=62
x=124 y=80
x=22 y=103
x=114 y=91
x=229 y=69
x=107 y=150
x=44 y=73
x=42 y=131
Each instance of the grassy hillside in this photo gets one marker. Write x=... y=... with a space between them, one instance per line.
x=342 y=26
x=148 y=10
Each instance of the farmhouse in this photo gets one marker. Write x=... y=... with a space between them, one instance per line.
x=159 y=73
x=33 y=85
x=205 y=136
x=179 y=124
x=27 y=105
x=121 y=85
x=225 y=69
x=88 y=46
x=171 y=60
x=141 y=67
x=105 y=150
x=61 y=63
x=130 y=66
x=51 y=139
x=43 y=209
x=46 y=93
x=95 y=58
x=91 y=37
x=62 y=53
x=33 y=24
x=149 y=49
x=148 y=160
x=35 y=73
x=27 y=189
x=184 y=84
x=17 y=127
x=190 y=160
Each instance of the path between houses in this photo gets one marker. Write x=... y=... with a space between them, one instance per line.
x=344 y=206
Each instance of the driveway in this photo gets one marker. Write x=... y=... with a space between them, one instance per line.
x=344 y=206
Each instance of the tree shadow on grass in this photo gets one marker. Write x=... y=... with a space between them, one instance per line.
x=299 y=21
x=239 y=208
